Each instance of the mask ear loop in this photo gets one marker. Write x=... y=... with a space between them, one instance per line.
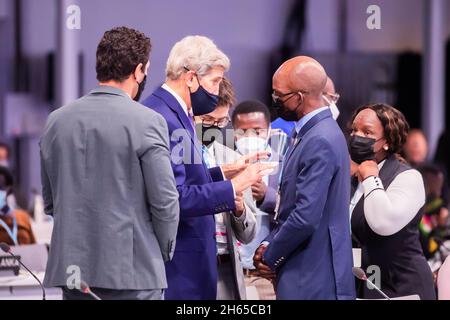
x=301 y=98
x=324 y=97
x=195 y=75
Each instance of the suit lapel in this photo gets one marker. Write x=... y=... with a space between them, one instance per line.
x=311 y=123
x=173 y=104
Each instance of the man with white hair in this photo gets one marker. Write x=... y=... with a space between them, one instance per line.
x=195 y=69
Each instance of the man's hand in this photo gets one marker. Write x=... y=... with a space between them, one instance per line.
x=239 y=201
x=367 y=169
x=252 y=174
x=263 y=269
x=232 y=170
x=259 y=190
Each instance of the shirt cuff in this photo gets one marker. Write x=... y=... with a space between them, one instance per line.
x=371 y=184
x=224 y=179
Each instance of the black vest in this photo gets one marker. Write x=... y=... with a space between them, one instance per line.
x=403 y=268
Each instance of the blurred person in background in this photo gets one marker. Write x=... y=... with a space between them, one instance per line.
x=434 y=230
x=331 y=98
x=232 y=228
x=442 y=155
x=5 y=154
x=386 y=204
x=415 y=150
x=442 y=159
x=15 y=224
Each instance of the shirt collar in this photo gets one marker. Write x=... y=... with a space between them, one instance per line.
x=109 y=90
x=178 y=98
x=304 y=120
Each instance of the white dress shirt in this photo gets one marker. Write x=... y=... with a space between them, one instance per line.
x=179 y=99
x=389 y=211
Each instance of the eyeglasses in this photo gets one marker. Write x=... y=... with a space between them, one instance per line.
x=277 y=98
x=334 y=97
x=251 y=132
x=221 y=123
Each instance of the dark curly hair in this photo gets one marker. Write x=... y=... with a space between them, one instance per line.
x=394 y=123
x=119 y=52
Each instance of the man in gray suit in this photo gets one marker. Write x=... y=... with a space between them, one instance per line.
x=108 y=182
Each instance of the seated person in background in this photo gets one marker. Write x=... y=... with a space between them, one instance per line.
x=15 y=224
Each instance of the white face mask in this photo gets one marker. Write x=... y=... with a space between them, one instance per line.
x=249 y=145
x=333 y=107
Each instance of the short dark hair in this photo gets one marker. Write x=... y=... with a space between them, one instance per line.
x=250 y=106
x=394 y=123
x=119 y=52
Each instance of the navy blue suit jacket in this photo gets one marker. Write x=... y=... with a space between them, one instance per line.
x=192 y=273
x=310 y=249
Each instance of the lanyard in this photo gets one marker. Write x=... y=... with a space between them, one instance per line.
x=12 y=233
x=205 y=156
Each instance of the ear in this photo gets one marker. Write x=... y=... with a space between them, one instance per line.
x=302 y=98
x=139 y=73
x=190 y=79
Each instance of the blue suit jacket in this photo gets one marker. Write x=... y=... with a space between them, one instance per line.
x=192 y=273
x=310 y=249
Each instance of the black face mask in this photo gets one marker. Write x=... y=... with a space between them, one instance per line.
x=202 y=101
x=209 y=134
x=285 y=113
x=361 y=148
x=141 y=87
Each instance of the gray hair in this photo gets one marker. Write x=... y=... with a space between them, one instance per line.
x=196 y=53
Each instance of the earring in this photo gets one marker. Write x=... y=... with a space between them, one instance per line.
x=386 y=148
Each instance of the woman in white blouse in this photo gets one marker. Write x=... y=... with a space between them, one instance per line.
x=386 y=203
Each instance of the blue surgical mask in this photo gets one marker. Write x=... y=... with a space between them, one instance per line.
x=202 y=101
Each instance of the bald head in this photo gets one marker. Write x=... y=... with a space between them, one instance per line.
x=301 y=74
